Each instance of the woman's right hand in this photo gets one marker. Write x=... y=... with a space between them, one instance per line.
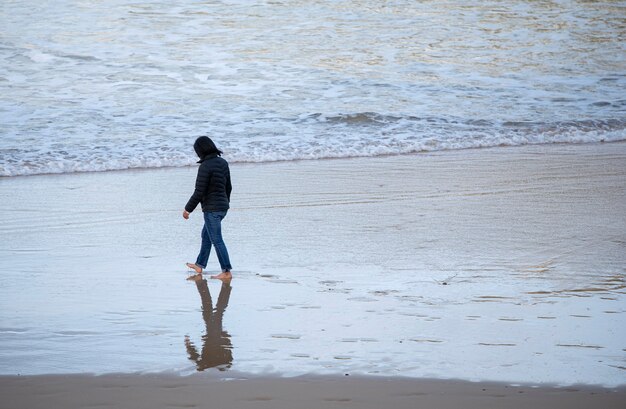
x=185 y=214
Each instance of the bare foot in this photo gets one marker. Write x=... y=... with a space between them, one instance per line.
x=224 y=276
x=194 y=267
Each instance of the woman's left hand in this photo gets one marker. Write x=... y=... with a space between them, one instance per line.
x=185 y=214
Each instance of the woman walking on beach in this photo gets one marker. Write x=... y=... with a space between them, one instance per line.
x=212 y=190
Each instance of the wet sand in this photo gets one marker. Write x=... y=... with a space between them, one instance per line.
x=167 y=391
x=500 y=264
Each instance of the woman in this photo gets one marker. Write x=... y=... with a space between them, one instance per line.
x=213 y=192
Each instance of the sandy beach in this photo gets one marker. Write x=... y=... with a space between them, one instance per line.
x=446 y=271
x=429 y=204
x=198 y=391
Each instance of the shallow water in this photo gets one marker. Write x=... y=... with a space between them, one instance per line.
x=503 y=264
x=123 y=84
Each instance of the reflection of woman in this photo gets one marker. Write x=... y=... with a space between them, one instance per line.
x=212 y=190
x=216 y=345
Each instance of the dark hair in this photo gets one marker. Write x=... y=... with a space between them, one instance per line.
x=205 y=146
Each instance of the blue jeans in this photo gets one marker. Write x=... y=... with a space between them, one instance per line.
x=212 y=235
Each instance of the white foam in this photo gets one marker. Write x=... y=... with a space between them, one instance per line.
x=345 y=136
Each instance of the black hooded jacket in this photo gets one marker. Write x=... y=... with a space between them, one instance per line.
x=213 y=185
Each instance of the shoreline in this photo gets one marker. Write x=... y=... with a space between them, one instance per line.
x=339 y=158
x=241 y=391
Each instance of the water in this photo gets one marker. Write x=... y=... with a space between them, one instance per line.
x=92 y=86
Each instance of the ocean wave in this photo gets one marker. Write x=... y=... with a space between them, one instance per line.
x=312 y=136
x=427 y=76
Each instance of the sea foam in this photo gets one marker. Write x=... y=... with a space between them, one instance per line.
x=312 y=137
